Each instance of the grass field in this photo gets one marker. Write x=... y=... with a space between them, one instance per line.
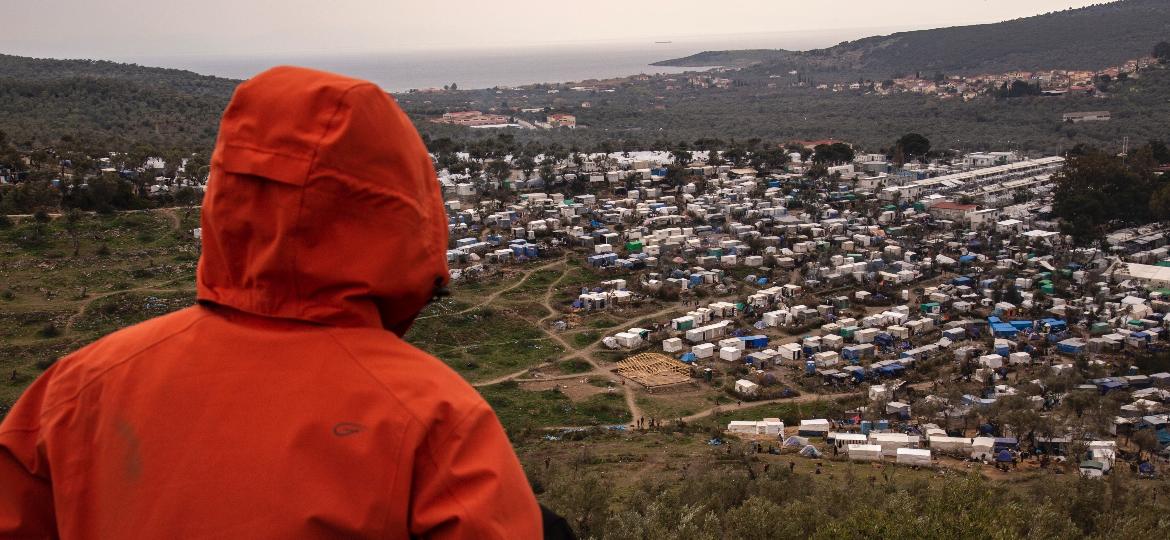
x=64 y=284
x=484 y=343
x=520 y=409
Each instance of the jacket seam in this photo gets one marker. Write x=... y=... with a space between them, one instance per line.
x=296 y=280
x=375 y=379
x=426 y=443
x=45 y=411
x=260 y=150
x=446 y=488
x=357 y=184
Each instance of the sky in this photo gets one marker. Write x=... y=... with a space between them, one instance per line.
x=128 y=28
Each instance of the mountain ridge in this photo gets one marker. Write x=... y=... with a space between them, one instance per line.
x=1092 y=37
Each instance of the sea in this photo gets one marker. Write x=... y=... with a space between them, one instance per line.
x=490 y=67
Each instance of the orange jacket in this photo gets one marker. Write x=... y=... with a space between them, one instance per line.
x=280 y=406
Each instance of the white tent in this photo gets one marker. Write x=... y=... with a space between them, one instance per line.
x=983 y=447
x=772 y=426
x=814 y=428
x=1018 y=358
x=890 y=442
x=993 y=361
x=628 y=340
x=746 y=427
x=913 y=456
x=951 y=444
x=841 y=440
x=865 y=452
x=746 y=387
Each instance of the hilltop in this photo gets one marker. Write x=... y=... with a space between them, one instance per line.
x=102 y=104
x=1087 y=38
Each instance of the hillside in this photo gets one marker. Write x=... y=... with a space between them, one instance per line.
x=1087 y=38
x=104 y=105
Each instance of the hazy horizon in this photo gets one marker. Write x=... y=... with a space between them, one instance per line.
x=256 y=28
x=502 y=66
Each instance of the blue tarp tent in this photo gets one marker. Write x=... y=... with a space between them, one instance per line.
x=1071 y=346
x=1004 y=330
x=891 y=370
x=755 y=342
x=1053 y=325
x=1022 y=325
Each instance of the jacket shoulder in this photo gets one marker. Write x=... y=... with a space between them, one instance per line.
x=427 y=387
x=77 y=370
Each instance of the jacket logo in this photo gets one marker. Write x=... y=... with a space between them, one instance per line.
x=345 y=429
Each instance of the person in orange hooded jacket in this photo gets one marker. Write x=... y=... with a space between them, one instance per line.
x=285 y=404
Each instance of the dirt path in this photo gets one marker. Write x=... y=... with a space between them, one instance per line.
x=173 y=216
x=803 y=398
x=494 y=296
x=514 y=376
x=84 y=306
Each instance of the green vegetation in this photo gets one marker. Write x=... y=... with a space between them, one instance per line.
x=1070 y=39
x=66 y=281
x=666 y=407
x=520 y=409
x=537 y=283
x=790 y=412
x=484 y=343
x=107 y=105
x=1097 y=192
x=731 y=495
x=574 y=366
x=586 y=338
x=752 y=114
x=111 y=313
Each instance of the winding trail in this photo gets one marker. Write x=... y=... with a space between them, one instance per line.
x=492 y=297
x=89 y=300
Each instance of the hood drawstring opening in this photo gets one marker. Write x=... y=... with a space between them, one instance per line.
x=441 y=291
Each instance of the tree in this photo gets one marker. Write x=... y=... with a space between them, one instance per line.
x=832 y=153
x=1162 y=51
x=713 y=158
x=1018 y=89
x=769 y=159
x=73 y=219
x=526 y=164
x=1146 y=441
x=755 y=519
x=913 y=145
x=1159 y=152
x=41 y=219
x=547 y=171
x=1096 y=192
x=498 y=170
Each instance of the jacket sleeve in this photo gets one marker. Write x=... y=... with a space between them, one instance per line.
x=469 y=484
x=26 y=494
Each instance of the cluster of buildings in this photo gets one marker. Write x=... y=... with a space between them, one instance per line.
x=880 y=276
x=488 y=120
x=1050 y=82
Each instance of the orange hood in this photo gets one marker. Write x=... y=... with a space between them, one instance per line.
x=322 y=205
